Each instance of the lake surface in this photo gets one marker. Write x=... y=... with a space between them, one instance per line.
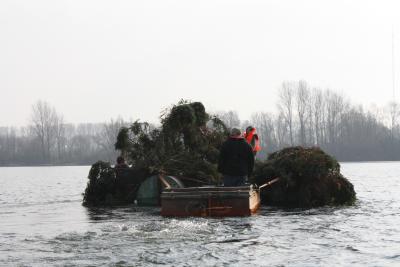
x=42 y=223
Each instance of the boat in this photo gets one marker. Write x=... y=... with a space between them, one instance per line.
x=210 y=201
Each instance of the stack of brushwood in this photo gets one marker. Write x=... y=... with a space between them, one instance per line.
x=112 y=186
x=308 y=177
x=187 y=144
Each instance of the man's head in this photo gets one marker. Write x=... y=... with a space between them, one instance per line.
x=120 y=160
x=249 y=129
x=235 y=132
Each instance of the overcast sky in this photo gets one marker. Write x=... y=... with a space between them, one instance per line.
x=94 y=60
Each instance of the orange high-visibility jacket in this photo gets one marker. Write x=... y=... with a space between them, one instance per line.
x=252 y=139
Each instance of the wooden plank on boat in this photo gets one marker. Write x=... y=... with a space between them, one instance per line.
x=210 y=201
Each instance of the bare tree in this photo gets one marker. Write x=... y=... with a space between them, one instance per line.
x=394 y=112
x=8 y=143
x=264 y=123
x=285 y=105
x=335 y=106
x=310 y=125
x=107 y=136
x=318 y=115
x=281 y=130
x=44 y=120
x=302 y=101
x=60 y=136
x=230 y=118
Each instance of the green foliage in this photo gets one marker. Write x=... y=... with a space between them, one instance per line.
x=109 y=186
x=101 y=184
x=186 y=145
x=308 y=177
x=303 y=163
x=122 y=139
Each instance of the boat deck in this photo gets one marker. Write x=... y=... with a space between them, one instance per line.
x=210 y=201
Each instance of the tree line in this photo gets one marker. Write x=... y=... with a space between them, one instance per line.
x=310 y=116
x=304 y=115
x=49 y=140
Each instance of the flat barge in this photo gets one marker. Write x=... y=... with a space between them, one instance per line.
x=210 y=201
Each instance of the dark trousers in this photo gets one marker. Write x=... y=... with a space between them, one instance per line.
x=230 y=180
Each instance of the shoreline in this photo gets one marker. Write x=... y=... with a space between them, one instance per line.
x=90 y=164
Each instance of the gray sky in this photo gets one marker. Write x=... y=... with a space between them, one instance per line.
x=95 y=59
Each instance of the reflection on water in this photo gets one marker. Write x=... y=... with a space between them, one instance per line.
x=42 y=223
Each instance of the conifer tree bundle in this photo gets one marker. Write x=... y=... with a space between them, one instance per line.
x=101 y=184
x=308 y=178
x=187 y=145
x=108 y=186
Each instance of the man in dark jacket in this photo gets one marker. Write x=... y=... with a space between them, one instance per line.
x=236 y=159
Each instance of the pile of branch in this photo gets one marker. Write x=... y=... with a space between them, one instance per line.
x=108 y=186
x=187 y=144
x=308 y=178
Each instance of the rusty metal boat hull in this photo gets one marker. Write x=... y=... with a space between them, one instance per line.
x=210 y=201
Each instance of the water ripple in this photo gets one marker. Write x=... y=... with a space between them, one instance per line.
x=47 y=226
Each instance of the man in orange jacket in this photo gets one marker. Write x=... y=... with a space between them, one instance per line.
x=252 y=138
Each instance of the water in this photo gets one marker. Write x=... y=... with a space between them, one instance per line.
x=42 y=223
